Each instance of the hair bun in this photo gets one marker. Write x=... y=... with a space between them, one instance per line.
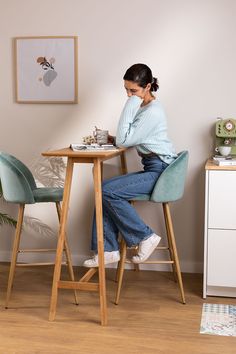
x=154 y=84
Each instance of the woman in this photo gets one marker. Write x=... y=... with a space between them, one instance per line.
x=142 y=124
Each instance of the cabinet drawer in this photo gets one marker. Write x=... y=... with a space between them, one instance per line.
x=221 y=258
x=222 y=199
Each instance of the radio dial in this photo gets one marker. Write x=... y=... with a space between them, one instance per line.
x=229 y=125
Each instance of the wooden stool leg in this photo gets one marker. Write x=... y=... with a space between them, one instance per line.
x=120 y=269
x=67 y=253
x=15 y=252
x=170 y=246
x=136 y=265
x=135 y=251
x=121 y=241
x=175 y=254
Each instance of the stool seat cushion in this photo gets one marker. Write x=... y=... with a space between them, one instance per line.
x=44 y=195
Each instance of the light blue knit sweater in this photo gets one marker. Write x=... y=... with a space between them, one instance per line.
x=145 y=128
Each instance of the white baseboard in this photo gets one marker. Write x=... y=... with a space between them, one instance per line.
x=77 y=260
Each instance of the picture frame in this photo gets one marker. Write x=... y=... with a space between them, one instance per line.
x=46 y=69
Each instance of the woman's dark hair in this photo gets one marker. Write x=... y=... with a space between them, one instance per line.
x=141 y=74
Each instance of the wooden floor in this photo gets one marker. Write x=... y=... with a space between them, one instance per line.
x=149 y=318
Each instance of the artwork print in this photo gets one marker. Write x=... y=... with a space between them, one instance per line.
x=46 y=69
x=49 y=73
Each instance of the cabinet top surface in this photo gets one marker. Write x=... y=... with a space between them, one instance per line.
x=211 y=166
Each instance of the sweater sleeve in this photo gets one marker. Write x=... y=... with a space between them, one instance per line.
x=136 y=125
x=127 y=119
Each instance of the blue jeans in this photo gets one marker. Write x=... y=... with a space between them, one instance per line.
x=118 y=214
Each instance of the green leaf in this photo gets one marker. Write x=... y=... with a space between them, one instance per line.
x=7 y=219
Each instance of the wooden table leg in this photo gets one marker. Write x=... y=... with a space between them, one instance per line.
x=100 y=243
x=61 y=238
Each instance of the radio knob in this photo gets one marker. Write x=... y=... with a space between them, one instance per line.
x=229 y=125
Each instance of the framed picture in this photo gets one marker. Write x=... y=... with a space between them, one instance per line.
x=46 y=69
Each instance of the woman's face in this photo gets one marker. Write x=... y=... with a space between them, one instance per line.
x=133 y=89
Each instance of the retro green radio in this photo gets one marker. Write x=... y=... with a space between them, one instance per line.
x=226 y=133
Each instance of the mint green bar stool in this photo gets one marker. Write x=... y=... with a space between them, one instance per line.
x=19 y=187
x=169 y=188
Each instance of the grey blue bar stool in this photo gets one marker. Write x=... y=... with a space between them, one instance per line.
x=169 y=188
x=19 y=187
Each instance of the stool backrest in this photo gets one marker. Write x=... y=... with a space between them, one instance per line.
x=170 y=185
x=16 y=179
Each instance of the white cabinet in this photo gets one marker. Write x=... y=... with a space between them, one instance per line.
x=220 y=231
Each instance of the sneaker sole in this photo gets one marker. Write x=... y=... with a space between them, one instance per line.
x=105 y=263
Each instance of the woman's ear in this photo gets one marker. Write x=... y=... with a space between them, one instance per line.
x=148 y=87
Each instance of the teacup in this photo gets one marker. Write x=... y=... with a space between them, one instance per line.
x=223 y=150
x=101 y=136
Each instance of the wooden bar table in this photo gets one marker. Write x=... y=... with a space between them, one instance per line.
x=96 y=158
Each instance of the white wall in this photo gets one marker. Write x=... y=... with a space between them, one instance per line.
x=190 y=46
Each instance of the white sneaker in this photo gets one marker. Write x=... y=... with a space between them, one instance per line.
x=109 y=257
x=146 y=248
